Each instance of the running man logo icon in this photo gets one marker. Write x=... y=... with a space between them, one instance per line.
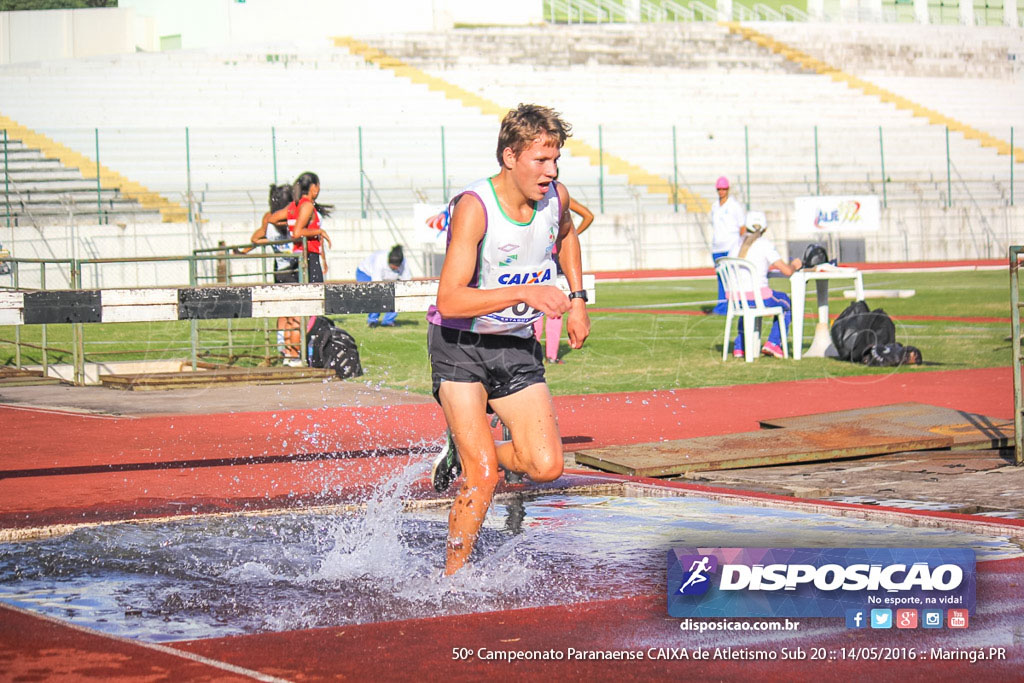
x=696 y=581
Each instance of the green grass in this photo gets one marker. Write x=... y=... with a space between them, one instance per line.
x=657 y=349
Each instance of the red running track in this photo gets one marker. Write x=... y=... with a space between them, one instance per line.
x=63 y=468
x=113 y=468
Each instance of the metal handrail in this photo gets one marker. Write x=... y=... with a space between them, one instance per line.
x=794 y=14
x=678 y=10
x=577 y=7
x=986 y=228
x=1016 y=253
x=768 y=13
x=744 y=13
x=231 y=247
x=382 y=211
x=706 y=13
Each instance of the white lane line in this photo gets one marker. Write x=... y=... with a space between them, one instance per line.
x=191 y=656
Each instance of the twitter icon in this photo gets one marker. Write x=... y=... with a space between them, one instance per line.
x=881 y=618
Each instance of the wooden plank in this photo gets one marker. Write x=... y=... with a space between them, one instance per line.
x=284 y=309
x=212 y=303
x=62 y=306
x=288 y=292
x=205 y=378
x=967 y=429
x=140 y=314
x=367 y=297
x=755 y=449
x=11 y=313
x=414 y=296
x=139 y=297
x=11 y=299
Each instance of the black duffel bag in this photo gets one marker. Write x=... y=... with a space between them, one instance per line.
x=858 y=329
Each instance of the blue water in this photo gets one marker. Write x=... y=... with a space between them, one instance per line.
x=219 y=576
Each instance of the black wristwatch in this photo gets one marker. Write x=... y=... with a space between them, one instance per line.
x=579 y=294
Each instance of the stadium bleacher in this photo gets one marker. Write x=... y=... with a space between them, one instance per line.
x=684 y=102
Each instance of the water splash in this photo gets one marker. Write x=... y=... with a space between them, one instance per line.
x=199 y=578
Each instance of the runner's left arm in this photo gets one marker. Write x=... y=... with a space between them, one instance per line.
x=571 y=260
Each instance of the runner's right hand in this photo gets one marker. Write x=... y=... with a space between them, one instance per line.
x=546 y=299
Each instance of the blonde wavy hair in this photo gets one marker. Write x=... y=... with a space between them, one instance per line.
x=528 y=122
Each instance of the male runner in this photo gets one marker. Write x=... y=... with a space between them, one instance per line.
x=498 y=277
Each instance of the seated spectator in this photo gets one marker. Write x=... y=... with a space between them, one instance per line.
x=383 y=266
x=763 y=254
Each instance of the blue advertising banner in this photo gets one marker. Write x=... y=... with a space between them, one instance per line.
x=818 y=582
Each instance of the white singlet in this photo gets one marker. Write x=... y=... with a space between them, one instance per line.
x=509 y=254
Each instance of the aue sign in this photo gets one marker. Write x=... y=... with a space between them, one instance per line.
x=816 y=582
x=846 y=214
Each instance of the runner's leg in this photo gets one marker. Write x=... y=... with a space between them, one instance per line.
x=536 y=446
x=465 y=409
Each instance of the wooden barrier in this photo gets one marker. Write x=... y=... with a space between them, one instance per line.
x=50 y=307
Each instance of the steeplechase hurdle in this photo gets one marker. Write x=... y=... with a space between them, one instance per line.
x=212 y=302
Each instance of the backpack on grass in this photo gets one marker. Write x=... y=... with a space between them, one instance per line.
x=858 y=329
x=893 y=355
x=332 y=347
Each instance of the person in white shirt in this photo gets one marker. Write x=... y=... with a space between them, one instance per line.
x=728 y=226
x=763 y=254
x=383 y=266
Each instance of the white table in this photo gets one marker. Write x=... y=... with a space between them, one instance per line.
x=798 y=292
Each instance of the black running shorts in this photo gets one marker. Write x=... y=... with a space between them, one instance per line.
x=503 y=363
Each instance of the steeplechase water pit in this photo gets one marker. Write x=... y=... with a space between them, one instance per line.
x=382 y=560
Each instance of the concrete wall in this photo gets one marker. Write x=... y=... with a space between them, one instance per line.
x=65 y=34
x=140 y=24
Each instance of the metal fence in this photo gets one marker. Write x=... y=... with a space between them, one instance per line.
x=986 y=12
x=223 y=174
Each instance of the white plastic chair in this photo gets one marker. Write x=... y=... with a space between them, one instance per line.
x=739 y=277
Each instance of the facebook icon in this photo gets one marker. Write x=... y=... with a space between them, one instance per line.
x=856 y=618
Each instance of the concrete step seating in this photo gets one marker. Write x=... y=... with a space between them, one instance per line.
x=906 y=49
x=636 y=83
x=40 y=189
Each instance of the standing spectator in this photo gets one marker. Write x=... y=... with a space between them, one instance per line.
x=552 y=324
x=727 y=229
x=383 y=266
x=763 y=254
x=274 y=227
x=306 y=214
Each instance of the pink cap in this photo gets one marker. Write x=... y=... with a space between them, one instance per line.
x=722 y=184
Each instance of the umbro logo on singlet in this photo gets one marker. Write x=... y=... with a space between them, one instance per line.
x=524 y=278
x=508 y=247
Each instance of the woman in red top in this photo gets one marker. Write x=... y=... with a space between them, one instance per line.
x=306 y=214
